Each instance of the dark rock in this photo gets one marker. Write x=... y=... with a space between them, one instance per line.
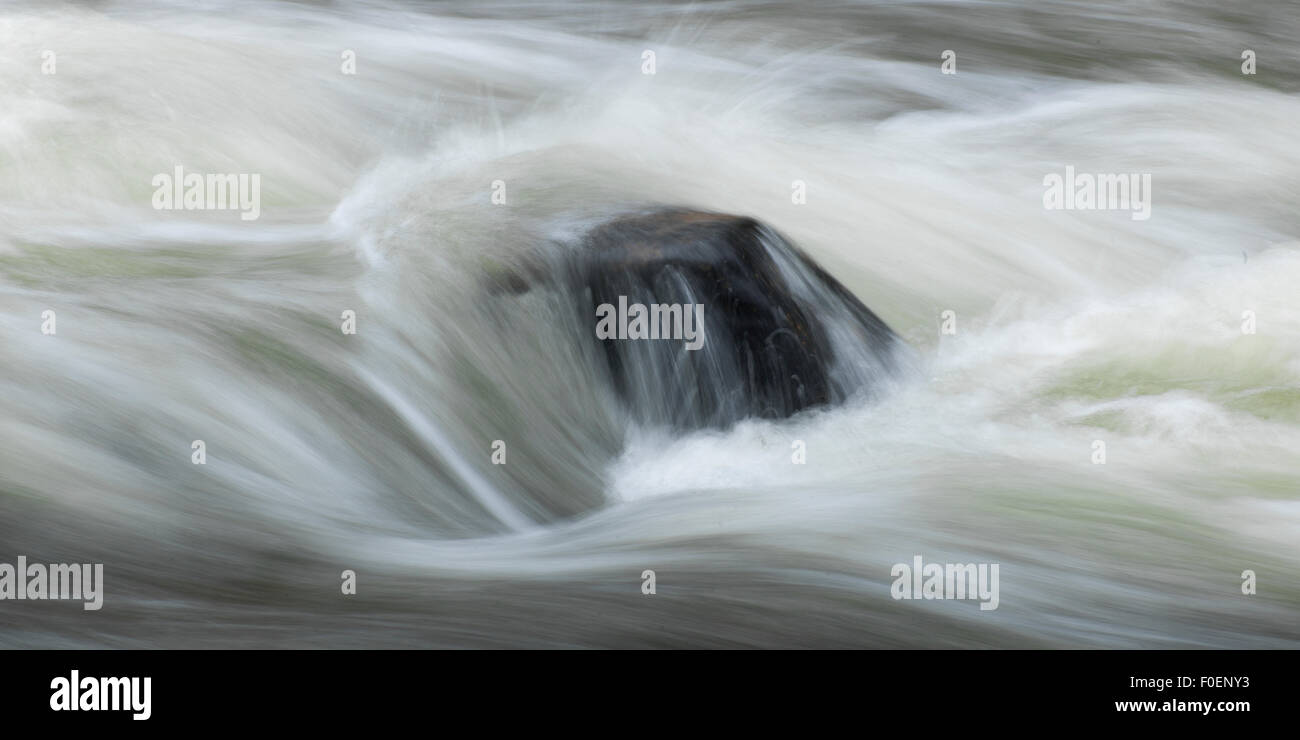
x=780 y=334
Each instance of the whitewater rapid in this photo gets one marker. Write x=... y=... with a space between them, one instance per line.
x=372 y=451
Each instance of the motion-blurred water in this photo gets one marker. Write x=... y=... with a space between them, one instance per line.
x=372 y=452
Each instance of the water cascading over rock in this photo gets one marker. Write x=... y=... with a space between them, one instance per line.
x=779 y=335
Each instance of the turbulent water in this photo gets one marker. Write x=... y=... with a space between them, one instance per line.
x=372 y=452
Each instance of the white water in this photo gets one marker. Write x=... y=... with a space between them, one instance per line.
x=372 y=452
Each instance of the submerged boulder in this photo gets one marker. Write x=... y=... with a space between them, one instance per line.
x=778 y=334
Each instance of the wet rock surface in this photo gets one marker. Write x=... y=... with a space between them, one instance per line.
x=779 y=334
